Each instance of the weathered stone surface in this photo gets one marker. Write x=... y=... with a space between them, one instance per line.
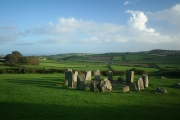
x=97 y=75
x=75 y=76
x=67 y=73
x=104 y=85
x=177 y=85
x=126 y=89
x=81 y=82
x=68 y=78
x=66 y=83
x=88 y=75
x=129 y=77
x=139 y=85
x=145 y=80
x=93 y=86
x=161 y=90
x=110 y=76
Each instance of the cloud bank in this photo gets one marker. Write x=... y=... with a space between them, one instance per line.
x=171 y=15
x=70 y=31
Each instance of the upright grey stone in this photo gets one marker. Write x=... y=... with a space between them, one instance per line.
x=110 y=75
x=88 y=75
x=129 y=77
x=75 y=76
x=68 y=77
x=93 y=86
x=139 y=85
x=104 y=85
x=145 y=80
x=81 y=82
x=97 y=75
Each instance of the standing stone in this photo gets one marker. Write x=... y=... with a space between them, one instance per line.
x=139 y=85
x=145 y=80
x=81 y=82
x=97 y=75
x=75 y=76
x=88 y=75
x=110 y=75
x=93 y=86
x=126 y=89
x=129 y=77
x=105 y=85
x=68 y=77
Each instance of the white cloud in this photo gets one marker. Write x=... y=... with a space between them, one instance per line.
x=139 y=32
x=75 y=31
x=171 y=15
x=138 y=21
x=128 y=2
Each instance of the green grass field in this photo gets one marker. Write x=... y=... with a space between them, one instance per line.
x=169 y=66
x=43 y=97
x=124 y=68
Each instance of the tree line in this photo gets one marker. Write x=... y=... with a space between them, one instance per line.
x=16 y=58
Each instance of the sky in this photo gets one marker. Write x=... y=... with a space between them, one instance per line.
x=44 y=27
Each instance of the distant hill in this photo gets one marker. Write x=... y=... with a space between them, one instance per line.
x=152 y=56
x=164 y=52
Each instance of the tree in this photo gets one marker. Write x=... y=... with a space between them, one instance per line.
x=13 y=59
x=17 y=54
x=30 y=60
x=16 y=58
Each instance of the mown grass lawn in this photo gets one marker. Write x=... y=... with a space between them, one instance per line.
x=43 y=97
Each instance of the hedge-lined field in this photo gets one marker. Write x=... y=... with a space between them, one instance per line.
x=124 y=68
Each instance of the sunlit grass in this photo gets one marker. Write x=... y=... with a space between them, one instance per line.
x=124 y=68
x=43 y=96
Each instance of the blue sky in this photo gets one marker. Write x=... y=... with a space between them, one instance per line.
x=88 y=26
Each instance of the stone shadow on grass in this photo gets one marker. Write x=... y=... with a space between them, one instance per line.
x=32 y=111
x=46 y=82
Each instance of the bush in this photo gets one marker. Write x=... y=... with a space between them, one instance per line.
x=30 y=60
x=25 y=70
